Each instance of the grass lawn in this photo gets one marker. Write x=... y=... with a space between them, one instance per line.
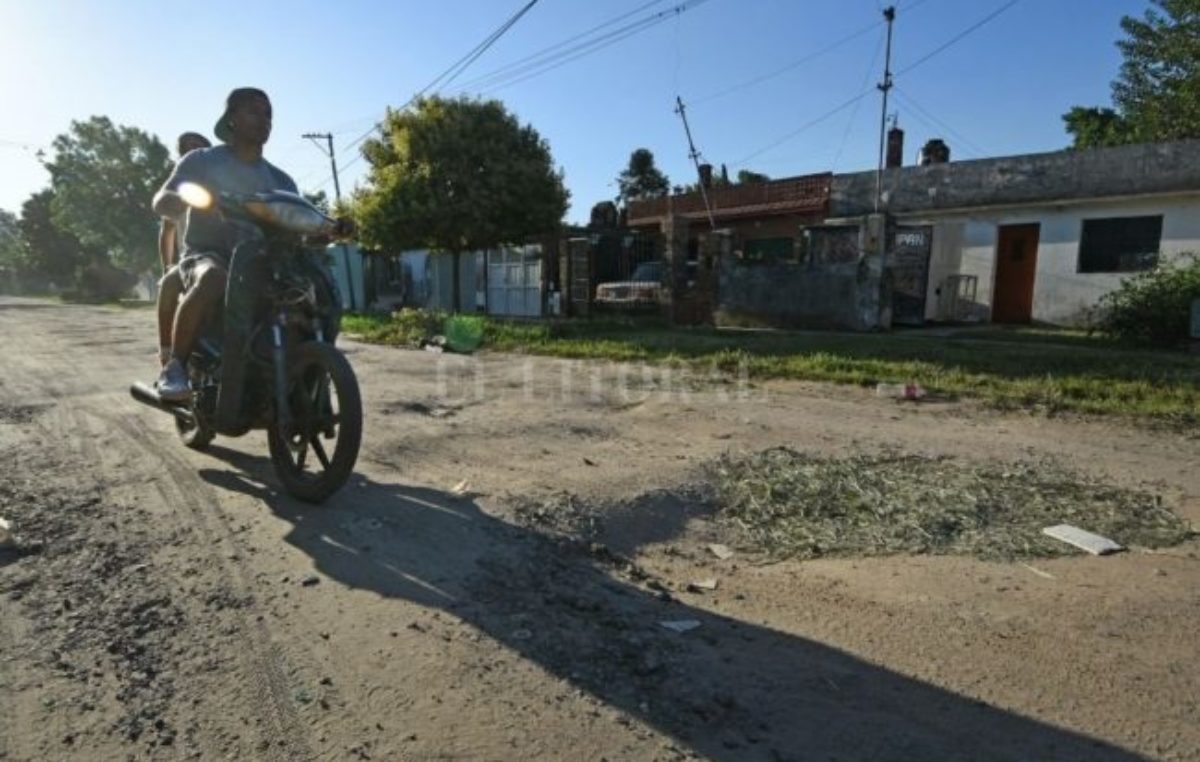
x=1038 y=369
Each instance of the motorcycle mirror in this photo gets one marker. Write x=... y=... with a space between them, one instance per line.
x=195 y=195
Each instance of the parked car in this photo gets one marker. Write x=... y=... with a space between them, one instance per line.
x=643 y=289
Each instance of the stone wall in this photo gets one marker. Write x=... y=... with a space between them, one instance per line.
x=1062 y=176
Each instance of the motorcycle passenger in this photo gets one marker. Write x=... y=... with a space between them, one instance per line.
x=170 y=242
x=238 y=167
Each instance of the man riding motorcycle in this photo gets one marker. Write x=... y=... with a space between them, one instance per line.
x=237 y=167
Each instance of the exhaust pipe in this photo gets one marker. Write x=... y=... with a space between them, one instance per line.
x=147 y=396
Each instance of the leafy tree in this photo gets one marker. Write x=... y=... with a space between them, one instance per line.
x=10 y=241
x=746 y=176
x=641 y=179
x=319 y=199
x=1157 y=93
x=718 y=181
x=104 y=176
x=457 y=175
x=1097 y=127
x=47 y=249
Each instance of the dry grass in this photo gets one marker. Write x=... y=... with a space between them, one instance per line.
x=793 y=505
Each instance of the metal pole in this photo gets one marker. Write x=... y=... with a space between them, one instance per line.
x=337 y=185
x=337 y=194
x=889 y=14
x=695 y=157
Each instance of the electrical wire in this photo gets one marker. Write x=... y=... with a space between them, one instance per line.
x=933 y=121
x=958 y=37
x=447 y=76
x=923 y=59
x=560 y=45
x=804 y=127
x=544 y=64
x=759 y=79
x=337 y=129
x=559 y=55
x=482 y=48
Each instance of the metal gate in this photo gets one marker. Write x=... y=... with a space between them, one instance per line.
x=908 y=262
x=514 y=281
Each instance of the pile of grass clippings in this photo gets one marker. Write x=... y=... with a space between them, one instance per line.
x=793 y=505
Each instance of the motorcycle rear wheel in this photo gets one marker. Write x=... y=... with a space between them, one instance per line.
x=196 y=436
x=325 y=405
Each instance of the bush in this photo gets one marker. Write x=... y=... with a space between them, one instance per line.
x=1152 y=307
x=412 y=325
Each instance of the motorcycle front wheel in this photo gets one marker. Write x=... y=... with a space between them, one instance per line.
x=315 y=454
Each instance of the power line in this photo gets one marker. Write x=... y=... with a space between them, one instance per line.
x=449 y=75
x=457 y=67
x=559 y=55
x=923 y=59
x=548 y=63
x=786 y=68
x=958 y=37
x=373 y=119
x=806 y=126
x=933 y=121
x=560 y=45
x=746 y=84
x=474 y=56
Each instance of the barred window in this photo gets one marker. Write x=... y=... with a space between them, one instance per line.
x=1120 y=244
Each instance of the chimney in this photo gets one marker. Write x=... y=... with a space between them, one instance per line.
x=706 y=176
x=935 y=152
x=895 y=148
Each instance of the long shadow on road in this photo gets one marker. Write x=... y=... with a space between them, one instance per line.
x=729 y=690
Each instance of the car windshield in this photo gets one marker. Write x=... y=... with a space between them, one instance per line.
x=647 y=271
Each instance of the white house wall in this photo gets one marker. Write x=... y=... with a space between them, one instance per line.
x=1061 y=294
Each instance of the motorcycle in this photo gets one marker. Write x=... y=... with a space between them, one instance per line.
x=269 y=361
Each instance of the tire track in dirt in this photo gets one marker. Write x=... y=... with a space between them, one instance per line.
x=266 y=661
x=68 y=423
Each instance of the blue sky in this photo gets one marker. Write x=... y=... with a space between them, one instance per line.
x=336 y=66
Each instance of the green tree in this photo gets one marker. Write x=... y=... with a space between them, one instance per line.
x=1097 y=127
x=47 y=249
x=10 y=241
x=319 y=199
x=104 y=176
x=746 y=176
x=1157 y=93
x=718 y=181
x=457 y=175
x=641 y=178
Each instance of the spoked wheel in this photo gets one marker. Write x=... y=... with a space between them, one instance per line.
x=315 y=455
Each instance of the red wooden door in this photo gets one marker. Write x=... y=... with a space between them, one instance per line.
x=1016 y=266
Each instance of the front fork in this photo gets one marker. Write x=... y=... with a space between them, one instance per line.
x=283 y=411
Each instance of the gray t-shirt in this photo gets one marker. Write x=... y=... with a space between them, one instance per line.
x=219 y=170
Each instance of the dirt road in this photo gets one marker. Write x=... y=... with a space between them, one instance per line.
x=175 y=605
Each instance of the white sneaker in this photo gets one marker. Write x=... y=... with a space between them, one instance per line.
x=172 y=384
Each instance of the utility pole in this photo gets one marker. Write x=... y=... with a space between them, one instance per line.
x=889 y=14
x=328 y=137
x=694 y=155
x=337 y=195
